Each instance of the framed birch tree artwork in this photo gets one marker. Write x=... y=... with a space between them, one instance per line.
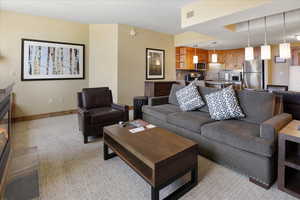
x=155 y=64
x=47 y=60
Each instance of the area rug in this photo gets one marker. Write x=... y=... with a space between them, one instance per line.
x=72 y=170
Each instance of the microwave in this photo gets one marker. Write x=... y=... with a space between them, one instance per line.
x=236 y=77
x=201 y=66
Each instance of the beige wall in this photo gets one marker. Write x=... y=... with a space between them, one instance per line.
x=35 y=97
x=188 y=38
x=104 y=57
x=132 y=59
x=113 y=59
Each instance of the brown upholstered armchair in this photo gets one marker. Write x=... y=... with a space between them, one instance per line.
x=96 y=110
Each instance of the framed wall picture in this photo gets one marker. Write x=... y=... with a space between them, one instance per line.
x=47 y=60
x=155 y=64
x=279 y=60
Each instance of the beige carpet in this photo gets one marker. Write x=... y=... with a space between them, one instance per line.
x=71 y=170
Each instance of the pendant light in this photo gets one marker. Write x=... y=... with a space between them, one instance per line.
x=265 y=49
x=214 y=56
x=285 y=47
x=195 y=57
x=249 y=52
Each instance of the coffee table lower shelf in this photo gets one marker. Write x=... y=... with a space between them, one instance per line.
x=146 y=172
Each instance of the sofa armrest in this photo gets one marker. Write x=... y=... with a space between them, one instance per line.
x=155 y=101
x=270 y=128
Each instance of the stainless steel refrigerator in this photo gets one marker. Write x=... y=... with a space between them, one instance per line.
x=254 y=74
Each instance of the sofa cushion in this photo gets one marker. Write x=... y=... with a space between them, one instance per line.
x=204 y=91
x=238 y=134
x=161 y=111
x=104 y=115
x=257 y=106
x=224 y=105
x=172 y=96
x=190 y=120
x=189 y=98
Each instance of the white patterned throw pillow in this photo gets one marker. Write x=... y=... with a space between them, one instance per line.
x=189 y=98
x=224 y=105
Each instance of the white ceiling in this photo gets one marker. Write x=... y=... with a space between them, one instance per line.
x=229 y=40
x=159 y=15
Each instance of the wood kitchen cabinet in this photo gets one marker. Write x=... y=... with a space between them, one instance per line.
x=237 y=59
x=184 y=57
x=202 y=55
x=232 y=59
x=221 y=56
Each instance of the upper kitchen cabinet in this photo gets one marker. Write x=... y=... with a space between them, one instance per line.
x=221 y=56
x=236 y=59
x=184 y=57
x=232 y=59
x=202 y=55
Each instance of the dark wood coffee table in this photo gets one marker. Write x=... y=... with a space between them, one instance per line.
x=157 y=155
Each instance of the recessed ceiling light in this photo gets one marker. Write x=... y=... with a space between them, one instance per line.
x=298 y=37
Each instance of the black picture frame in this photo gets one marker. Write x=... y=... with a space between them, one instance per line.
x=155 y=77
x=24 y=40
x=279 y=60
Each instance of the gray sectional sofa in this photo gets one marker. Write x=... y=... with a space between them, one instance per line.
x=247 y=145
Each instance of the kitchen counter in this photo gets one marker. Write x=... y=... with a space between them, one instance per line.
x=222 y=84
x=219 y=82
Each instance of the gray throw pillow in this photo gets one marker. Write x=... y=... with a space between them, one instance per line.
x=189 y=98
x=224 y=105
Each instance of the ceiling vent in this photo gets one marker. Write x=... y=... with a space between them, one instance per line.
x=190 y=14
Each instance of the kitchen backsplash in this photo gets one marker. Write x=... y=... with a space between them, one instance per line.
x=215 y=71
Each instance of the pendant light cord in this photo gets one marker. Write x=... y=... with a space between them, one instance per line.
x=284 y=28
x=265 y=30
x=248 y=33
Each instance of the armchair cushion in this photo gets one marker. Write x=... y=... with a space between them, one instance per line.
x=104 y=115
x=270 y=128
x=96 y=97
